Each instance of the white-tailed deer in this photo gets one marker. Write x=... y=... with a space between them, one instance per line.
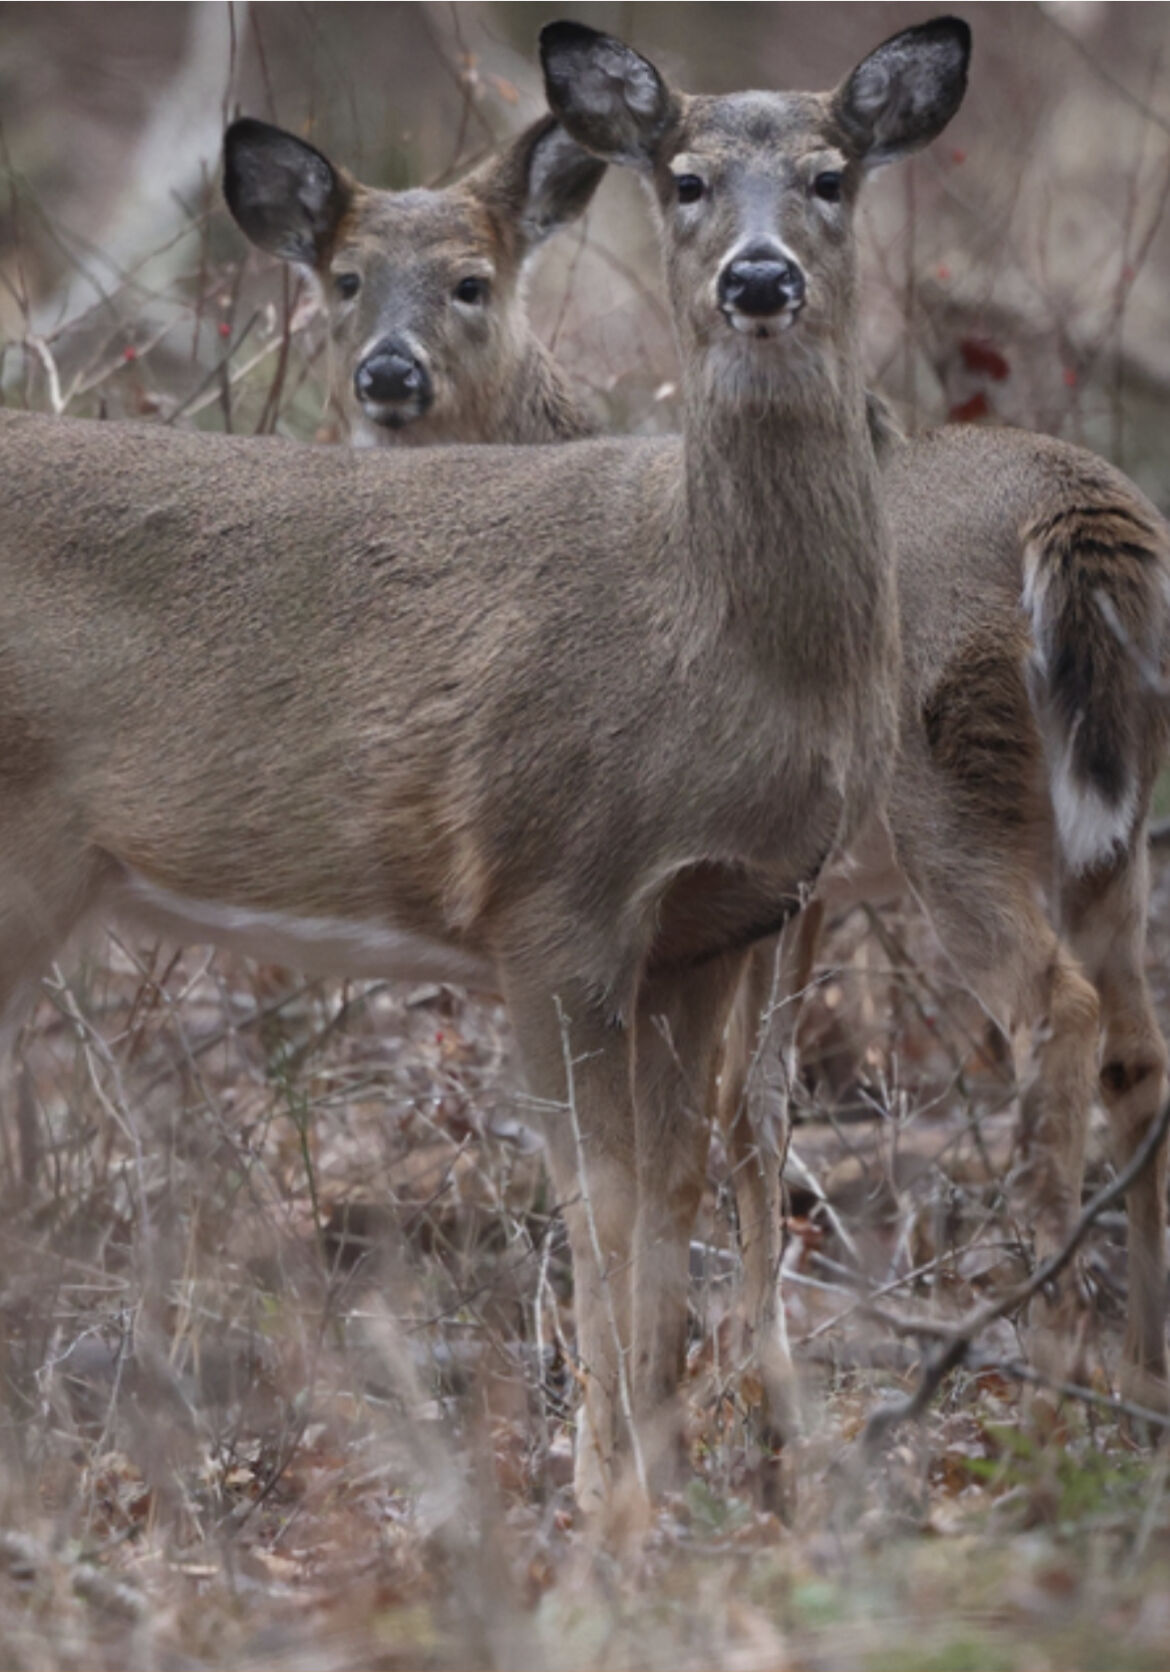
x=995 y=797
x=1030 y=743
x=585 y=718
x=423 y=289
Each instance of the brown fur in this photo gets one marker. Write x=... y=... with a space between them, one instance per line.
x=979 y=516
x=1043 y=943
x=483 y=708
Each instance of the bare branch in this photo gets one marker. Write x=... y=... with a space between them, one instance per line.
x=954 y=1340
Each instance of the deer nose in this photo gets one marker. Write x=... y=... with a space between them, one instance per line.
x=391 y=376
x=761 y=282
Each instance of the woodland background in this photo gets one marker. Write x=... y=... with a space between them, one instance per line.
x=287 y=1332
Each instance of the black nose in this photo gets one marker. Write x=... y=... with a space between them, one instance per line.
x=392 y=376
x=761 y=282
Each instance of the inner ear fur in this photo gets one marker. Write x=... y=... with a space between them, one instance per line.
x=610 y=99
x=541 y=182
x=903 y=94
x=286 y=196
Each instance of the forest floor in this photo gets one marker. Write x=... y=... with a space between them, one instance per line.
x=288 y=1352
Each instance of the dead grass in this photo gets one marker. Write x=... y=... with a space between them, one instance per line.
x=288 y=1373
x=289 y=1354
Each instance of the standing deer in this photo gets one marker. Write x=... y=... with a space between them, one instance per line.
x=994 y=795
x=979 y=516
x=585 y=718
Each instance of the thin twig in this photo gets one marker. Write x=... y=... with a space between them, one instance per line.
x=954 y=1341
x=1100 y=69
x=1020 y=1372
x=40 y=348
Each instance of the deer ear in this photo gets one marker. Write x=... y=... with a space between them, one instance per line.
x=904 y=94
x=284 y=194
x=609 y=98
x=540 y=183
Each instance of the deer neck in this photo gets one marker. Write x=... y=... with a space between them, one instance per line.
x=783 y=516
x=543 y=404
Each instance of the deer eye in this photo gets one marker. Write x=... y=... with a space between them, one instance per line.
x=473 y=291
x=827 y=186
x=689 y=188
x=347 y=285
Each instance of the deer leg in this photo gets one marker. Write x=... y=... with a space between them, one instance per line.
x=679 y=1031
x=1054 y=1120
x=577 y=1068
x=984 y=905
x=1106 y=921
x=753 y=1112
x=46 y=887
x=41 y=901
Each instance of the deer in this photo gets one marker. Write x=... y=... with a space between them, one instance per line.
x=1031 y=575
x=582 y=721
x=423 y=290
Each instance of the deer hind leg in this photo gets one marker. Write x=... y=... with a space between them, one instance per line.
x=47 y=884
x=1105 y=916
x=973 y=817
x=1054 y=1122
x=579 y=1077
x=753 y=1112
x=680 y=1028
x=984 y=905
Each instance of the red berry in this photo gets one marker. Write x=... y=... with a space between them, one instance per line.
x=968 y=411
x=958 y=156
x=225 y=329
x=979 y=355
x=129 y=352
x=1070 y=377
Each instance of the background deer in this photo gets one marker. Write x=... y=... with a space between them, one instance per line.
x=1029 y=748
x=585 y=718
x=423 y=289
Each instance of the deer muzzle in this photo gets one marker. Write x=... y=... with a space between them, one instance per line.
x=392 y=385
x=761 y=285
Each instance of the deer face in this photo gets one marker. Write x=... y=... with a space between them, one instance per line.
x=422 y=296
x=756 y=191
x=756 y=198
x=423 y=289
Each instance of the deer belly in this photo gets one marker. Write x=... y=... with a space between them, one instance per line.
x=317 y=945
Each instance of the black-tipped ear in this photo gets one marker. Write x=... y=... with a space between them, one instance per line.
x=610 y=99
x=904 y=94
x=284 y=194
x=541 y=182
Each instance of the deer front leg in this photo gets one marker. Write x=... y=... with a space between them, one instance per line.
x=577 y=1065
x=595 y=1186
x=753 y=1112
x=679 y=1029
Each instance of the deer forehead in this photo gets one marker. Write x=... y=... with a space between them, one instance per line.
x=751 y=130
x=416 y=229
